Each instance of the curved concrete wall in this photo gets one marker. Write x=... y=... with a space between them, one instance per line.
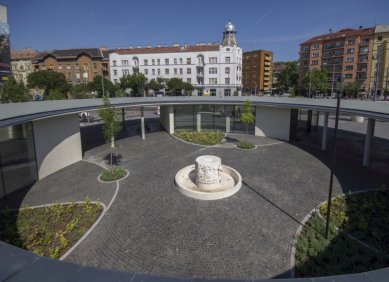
x=57 y=143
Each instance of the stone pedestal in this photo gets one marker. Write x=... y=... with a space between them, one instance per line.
x=208 y=169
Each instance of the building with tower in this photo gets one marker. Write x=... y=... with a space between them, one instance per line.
x=213 y=69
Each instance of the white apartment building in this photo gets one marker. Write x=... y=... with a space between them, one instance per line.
x=212 y=69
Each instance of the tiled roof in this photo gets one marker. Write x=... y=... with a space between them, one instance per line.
x=24 y=54
x=70 y=53
x=348 y=32
x=170 y=49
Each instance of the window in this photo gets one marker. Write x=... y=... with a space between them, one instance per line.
x=77 y=75
x=348 y=75
x=175 y=71
x=212 y=70
x=145 y=62
x=175 y=61
x=69 y=75
x=315 y=55
x=86 y=67
x=166 y=61
x=146 y=71
x=95 y=65
x=227 y=80
x=181 y=61
x=68 y=66
x=166 y=71
x=379 y=37
x=115 y=72
x=124 y=62
x=351 y=41
x=153 y=62
x=153 y=71
x=158 y=62
x=316 y=46
x=228 y=60
x=212 y=80
x=350 y=51
x=181 y=71
x=188 y=61
x=188 y=71
x=189 y=80
x=213 y=60
x=59 y=67
x=114 y=63
x=350 y=59
x=94 y=74
x=125 y=72
x=115 y=81
x=315 y=62
x=159 y=71
x=349 y=68
x=227 y=70
x=339 y=44
x=305 y=49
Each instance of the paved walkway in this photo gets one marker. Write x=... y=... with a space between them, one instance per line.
x=152 y=228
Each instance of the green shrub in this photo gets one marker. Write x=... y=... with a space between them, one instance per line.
x=202 y=138
x=114 y=174
x=245 y=145
x=364 y=215
x=339 y=254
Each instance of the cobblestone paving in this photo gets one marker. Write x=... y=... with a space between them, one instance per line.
x=152 y=228
x=73 y=183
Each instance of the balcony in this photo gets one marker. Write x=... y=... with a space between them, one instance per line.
x=200 y=74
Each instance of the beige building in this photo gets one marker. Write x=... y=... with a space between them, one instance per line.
x=77 y=65
x=379 y=80
x=21 y=62
x=257 y=71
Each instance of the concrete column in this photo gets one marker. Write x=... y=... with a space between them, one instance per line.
x=368 y=141
x=315 y=119
x=198 y=118
x=142 y=122
x=57 y=143
x=228 y=124
x=325 y=131
x=123 y=119
x=309 y=121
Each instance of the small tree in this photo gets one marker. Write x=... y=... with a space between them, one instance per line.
x=247 y=117
x=111 y=118
x=352 y=88
x=47 y=80
x=135 y=81
x=14 y=92
x=316 y=81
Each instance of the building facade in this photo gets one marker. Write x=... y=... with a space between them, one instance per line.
x=21 y=62
x=77 y=65
x=212 y=69
x=257 y=71
x=346 y=55
x=379 y=76
x=5 y=50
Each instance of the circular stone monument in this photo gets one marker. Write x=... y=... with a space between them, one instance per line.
x=208 y=179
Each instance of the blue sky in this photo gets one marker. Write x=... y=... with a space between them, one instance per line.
x=277 y=25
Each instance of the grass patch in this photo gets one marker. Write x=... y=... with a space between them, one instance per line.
x=49 y=231
x=202 y=138
x=364 y=216
x=114 y=174
x=245 y=145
